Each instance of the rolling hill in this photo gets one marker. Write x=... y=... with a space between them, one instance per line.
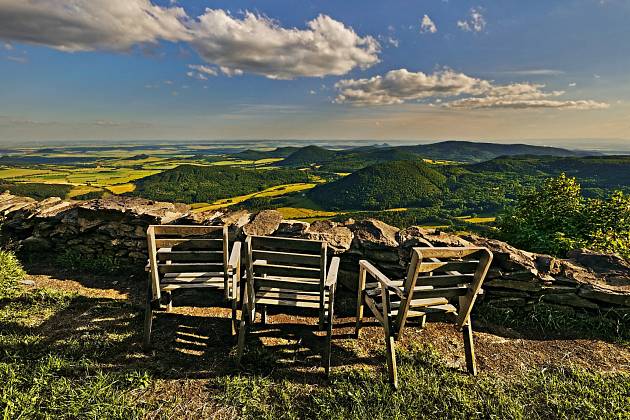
x=384 y=185
x=460 y=151
x=194 y=184
x=278 y=152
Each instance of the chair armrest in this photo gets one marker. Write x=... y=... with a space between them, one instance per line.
x=382 y=278
x=331 y=278
x=235 y=256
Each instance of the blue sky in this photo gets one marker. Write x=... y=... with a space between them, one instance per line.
x=549 y=72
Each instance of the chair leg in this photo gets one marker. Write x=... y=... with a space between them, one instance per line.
x=234 y=318
x=360 y=297
x=263 y=314
x=469 y=348
x=148 y=319
x=168 y=297
x=391 y=360
x=242 y=331
x=329 y=330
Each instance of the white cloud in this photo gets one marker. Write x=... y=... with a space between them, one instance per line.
x=427 y=25
x=7 y=46
x=572 y=84
x=85 y=25
x=451 y=89
x=17 y=59
x=201 y=72
x=257 y=44
x=253 y=43
x=474 y=23
x=399 y=86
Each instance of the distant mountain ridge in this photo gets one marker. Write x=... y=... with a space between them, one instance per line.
x=359 y=157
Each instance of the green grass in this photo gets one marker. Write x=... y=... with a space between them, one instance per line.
x=543 y=320
x=70 y=355
x=430 y=389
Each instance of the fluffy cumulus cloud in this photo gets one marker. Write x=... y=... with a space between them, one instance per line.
x=451 y=89
x=399 y=86
x=475 y=22
x=427 y=26
x=85 y=25
x=254 y=43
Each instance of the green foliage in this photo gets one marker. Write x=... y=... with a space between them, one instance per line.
x=386 y=185
x=198 y=184
x=11 y=272
x=75 y=261
x=308 y=155
x=543 y=320
x=556 y=218
x=35 y=190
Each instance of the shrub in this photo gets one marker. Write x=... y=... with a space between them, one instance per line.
x=11 y=272
x=556 y=218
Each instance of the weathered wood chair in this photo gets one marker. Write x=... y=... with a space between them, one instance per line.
x=190 y=257
x=439 y=281
x=293 y=273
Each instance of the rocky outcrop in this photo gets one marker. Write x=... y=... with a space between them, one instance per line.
x=116 y=228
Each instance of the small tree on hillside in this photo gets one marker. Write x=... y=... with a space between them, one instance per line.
x=556 y=218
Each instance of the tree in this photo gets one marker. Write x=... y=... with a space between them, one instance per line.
x=555 y=218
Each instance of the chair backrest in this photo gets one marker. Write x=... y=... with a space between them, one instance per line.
x=437 y=276
x=175 y=249
x=286 y=263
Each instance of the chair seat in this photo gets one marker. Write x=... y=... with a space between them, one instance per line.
x=284 y=297
x=173 y=281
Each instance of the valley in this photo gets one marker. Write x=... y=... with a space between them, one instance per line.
x=452 y=183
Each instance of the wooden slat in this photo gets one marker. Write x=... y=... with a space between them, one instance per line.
x=175 y=286
x=192 y=279
x=282 y=302
x=285 y=295
x=190 y=244
x=186 y=230
x=375 y=311
x=462 y=266
x=288 y=283
x=444 y=252
x=444 y=280
x=447 y=292
x=166 y=254
x=190 y=267
x=285 y=271
x=289 y=244
x=194 y=274
x=419 y=303
x=280 y=257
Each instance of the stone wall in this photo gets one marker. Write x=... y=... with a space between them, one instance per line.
x=116 y=228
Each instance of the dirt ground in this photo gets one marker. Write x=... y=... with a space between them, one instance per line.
x=190 y=333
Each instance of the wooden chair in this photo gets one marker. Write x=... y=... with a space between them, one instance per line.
x=291 y=273
x=190 y=257
x=439 y=281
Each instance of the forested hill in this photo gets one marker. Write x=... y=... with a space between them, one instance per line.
x=592 y=171
x=385 y=185
x=194 y=184
x=278 y=152
x=309 y=155
x=349 y=160
x=468 y=151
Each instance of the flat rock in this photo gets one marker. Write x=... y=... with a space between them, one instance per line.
x=569 y=299
x=600 y=262
x=594 y=292
x=35 y=244
x=292 y=228
x=372 y=233
x=338 y=237
x=264 y=223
